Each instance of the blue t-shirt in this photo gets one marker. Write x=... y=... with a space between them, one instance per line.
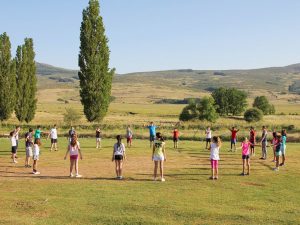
x=283 y=140
x=152 y=130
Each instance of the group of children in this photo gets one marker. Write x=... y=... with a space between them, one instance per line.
x=157 y=144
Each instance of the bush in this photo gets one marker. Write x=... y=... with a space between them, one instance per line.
x=189 y=112
x=262 y=103
x=207 y=110
x=71 y=116
x=253 y=115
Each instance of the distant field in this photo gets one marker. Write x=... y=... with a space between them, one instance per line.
x=187 y=196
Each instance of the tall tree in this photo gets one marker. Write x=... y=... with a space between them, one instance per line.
x=26 y=82
x=262 y=103
x=95 y=75
x=7 y=78
x=207 y=110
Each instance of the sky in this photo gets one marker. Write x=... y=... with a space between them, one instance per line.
x=151 y=35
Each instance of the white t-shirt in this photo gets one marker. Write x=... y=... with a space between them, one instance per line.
x=208 y=133
x=119 y=150
x=53 y=133
x=13 y=141
x=74 y=150
x=214 y=151
x=36 y=149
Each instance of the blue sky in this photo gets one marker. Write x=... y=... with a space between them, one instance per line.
x=148 y=35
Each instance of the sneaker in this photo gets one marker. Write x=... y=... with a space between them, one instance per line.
x=155 y=179
x=247 y=174
x=281 y=164
x=15 y=161
x=276 y=169
x=242 y=174
x=37 y=173
x=28 y=166
x=71 y=175
x=211 y=178
x=163 y=179
x=121 y=178
x=273 y=160
x=78 y=176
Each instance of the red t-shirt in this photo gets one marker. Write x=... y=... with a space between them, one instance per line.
x=233 y=134
x=252 y=136
x=176 y=134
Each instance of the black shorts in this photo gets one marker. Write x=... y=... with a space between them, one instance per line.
x=118 y=157
x=245 y=156
x=152 y=137
x=53 y=141
x=14 y=149
x=175 y=139
x=208 y=140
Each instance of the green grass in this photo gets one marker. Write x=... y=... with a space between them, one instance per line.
x=187 y=196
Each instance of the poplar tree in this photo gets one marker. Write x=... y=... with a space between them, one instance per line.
x=95 y=75
x=7 y=78
x=26 y=82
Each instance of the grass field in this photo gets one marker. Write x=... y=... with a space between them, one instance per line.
x=187 y=196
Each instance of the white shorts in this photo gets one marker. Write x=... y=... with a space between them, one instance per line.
x=98 y=139
x=158 y=158
x=36 y=157
x=282 y=149
x=28 y=151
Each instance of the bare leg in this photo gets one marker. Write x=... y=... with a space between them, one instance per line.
x=161 y=164
x=117 y=168
x=248 y=164
x=244 y=162
x=71 y=165
x=76 y=166
x=155 y=169
x=120 y=168
x=283 y=159
x=277 y=161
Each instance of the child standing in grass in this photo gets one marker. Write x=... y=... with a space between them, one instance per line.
x=278 y=147
x=98 y=138
x=28 y=146
x=274 y=143
x=283 y=146
x=129 y=135
x=159 y=156
x=13 y=140
x=234 y=132
x=252 y=140
x=74 y=150
x=214 y=157
x=245 y=145
x=175 y=137
x=36 y=155
x=208 y=137
x=118 y=156
x=264 y=142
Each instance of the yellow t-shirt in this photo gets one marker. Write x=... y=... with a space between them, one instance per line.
x=158 y=148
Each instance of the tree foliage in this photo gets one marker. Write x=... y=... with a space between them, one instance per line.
x=262 y=103
x=26 y=82
x=94 y=75
x=230 y=101
x=253 y=115
x=207 y=110
x=7 y=78
x=204 y=110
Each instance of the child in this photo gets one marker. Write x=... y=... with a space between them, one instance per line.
x=36 y=154
x=118 y=156
x=28 y=145
x=234 y=132
x=38 y=132
x=245 y=145
x=98 y=138
x=129 y=135
x=74 y=149
x=283 y=146
x=53 y=136
x=252 y=139
x=159 y=155
x=208 y=137
x=278 y=152
x=175 y=137
x=214 y=157
x=13 y=146
x=264 y=142
x=152 y=131
x=275 y=141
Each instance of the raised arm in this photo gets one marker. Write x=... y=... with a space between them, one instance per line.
x=67 y=153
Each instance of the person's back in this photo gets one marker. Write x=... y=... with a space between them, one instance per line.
x=53 y=133
x=214 y=151
x=245 y=148
x=119 y=149
x=37 y=134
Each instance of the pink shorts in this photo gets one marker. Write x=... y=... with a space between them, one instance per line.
x=214 y=163
x=73 y=156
